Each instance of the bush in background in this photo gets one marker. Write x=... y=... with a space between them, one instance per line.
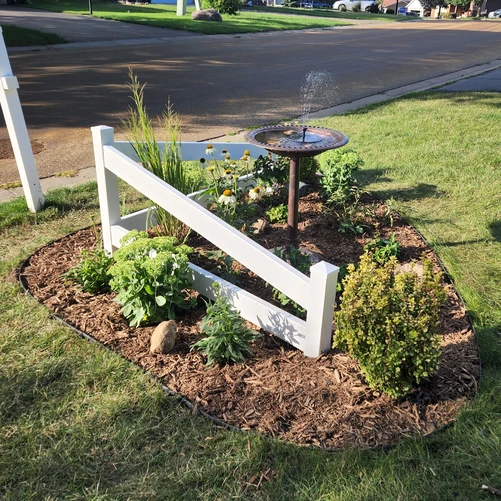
x=231 y=7
x=338 y=180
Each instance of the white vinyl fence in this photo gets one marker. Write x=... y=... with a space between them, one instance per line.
x=317 y=294
x=18 y=133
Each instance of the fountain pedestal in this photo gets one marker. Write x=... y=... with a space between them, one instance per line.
x=295 y=142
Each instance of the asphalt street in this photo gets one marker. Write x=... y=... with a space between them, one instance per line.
x=224 y=83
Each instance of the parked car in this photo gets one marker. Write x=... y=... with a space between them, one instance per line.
x=365 y=5
x=494 y=14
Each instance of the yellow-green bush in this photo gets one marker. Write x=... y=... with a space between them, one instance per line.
x=388 y=322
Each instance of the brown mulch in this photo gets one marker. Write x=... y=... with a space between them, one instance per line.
x=7 y=153
x=278 y=391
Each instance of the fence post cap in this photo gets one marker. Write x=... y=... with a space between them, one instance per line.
x=324 y=268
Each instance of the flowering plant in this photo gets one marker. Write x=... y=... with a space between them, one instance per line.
x=233 y=194
x=151 y=276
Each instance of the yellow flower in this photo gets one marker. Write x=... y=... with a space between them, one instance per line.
x=245 y=158
x=247 y=153
x=211 y=168
x=227 y=173
x=227 y=158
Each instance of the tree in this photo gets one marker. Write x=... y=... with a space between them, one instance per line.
x=431 y=4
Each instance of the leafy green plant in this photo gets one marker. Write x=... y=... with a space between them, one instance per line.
x=338 y=180
x=227 y=338
x=388 y=322
x=357 y=7
x=151 y=276
x=92 y=272
x=277 y=214
x=382 y=249
x=168 y=164
x=270 y=172
x=302 y=262
x=308 y=167
x=224 y=264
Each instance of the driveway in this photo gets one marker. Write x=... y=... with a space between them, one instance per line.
x=225 y=83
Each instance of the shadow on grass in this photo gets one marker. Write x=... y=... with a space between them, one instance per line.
x=420 y=191
x=495 y=229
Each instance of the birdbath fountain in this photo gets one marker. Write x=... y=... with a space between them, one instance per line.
x=295 y=142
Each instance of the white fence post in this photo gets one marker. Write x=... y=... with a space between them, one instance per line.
x=181 y=7
x=323 y=282
x=18 y=133
x=107 y=183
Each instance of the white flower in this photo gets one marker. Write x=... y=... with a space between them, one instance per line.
x=255 y=193
x=210 y=150
x=227 y=198
x=152 y=254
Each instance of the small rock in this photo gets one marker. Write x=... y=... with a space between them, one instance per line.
x=260 y=226
x=163 y=337
x=206 y=15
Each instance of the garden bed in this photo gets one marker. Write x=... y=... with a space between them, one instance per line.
x=278 y=391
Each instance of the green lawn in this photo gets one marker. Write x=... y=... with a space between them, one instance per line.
x=164 y=16
x=24 y=37
x=77 y=422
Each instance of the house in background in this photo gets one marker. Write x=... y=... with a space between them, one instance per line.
x=392 y=4
x=454 y=10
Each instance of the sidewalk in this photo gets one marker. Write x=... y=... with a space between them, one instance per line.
x=81 y=29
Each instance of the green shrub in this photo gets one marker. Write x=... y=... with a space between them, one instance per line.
x=151 y=276
x=357 y=7
x=92 y=272
x=382 y=249
x=269 y=171
x=308 y=167
x=227 y=338
x=390 y=11
x=388 y=323
x=277 y=214
x=224 y=6
x=338 y=180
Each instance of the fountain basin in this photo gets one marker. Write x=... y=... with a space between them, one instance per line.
x=288 y=140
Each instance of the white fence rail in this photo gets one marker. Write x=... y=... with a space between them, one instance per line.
x=316 y=294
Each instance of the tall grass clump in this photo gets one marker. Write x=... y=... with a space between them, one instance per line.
x=168 y=164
